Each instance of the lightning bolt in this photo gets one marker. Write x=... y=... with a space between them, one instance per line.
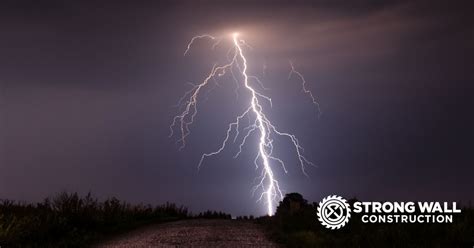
x=259 y=122
x=305 y=90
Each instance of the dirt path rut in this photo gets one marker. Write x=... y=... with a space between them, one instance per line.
x=195 y=233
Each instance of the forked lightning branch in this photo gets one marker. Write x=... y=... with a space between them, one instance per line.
x=260 y=125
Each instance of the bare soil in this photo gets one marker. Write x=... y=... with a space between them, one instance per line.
x=195 y=233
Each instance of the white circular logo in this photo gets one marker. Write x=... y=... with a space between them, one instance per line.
x=334 y=212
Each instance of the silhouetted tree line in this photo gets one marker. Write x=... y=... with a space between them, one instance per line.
x=245 y=217
x=213 y=215
x=69 y=220
x=295 y=224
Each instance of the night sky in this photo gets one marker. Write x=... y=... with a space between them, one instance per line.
x=88 y=89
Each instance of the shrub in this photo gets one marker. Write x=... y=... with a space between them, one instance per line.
x=70 y=220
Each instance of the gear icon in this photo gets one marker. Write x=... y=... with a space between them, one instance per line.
x=334 y=212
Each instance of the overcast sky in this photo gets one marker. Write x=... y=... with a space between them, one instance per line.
x=88 y=89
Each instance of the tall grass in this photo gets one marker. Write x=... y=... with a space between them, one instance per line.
x=69 y=220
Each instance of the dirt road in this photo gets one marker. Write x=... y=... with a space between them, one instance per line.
x=195 y=233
